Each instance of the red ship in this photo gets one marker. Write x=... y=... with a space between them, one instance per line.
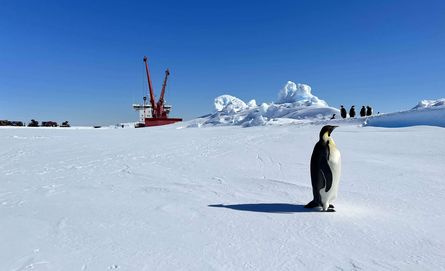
x=154 y=114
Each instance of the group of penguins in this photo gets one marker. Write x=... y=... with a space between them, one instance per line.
x=363 y=112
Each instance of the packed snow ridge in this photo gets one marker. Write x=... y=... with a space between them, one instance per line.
x=426 y=112
x=430 y=104
x=295 y=103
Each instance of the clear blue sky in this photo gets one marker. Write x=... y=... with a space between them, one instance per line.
x=82 y=60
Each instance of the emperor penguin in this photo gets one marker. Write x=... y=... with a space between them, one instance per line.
x=325 y=171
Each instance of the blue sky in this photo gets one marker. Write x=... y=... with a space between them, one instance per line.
x=82 y=60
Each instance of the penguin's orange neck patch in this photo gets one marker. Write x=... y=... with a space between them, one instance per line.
x=327 y=139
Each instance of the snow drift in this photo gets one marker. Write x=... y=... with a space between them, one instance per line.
x=297 y=105
x=299 y=94
x=295 y=102
x=426 y=112
x=430 y=104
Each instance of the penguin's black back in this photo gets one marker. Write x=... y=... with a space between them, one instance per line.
x=321 y=174
x=343 y=112
x=352 y=112
x=363 y=111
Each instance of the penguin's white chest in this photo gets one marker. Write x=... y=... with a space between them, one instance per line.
x=334 y=163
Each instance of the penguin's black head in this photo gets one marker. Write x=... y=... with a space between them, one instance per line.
x=327 y=129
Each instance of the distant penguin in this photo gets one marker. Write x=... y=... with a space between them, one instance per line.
x=333 y=117
x=363 y=111
x=352 y=112
x=325 y=171
x=342 y=112
x=368 y=110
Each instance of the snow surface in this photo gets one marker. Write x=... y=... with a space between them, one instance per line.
x=221 y=198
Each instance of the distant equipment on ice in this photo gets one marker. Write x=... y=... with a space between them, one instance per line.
x=154 y=114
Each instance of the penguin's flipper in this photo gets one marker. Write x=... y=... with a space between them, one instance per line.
x=326 y=173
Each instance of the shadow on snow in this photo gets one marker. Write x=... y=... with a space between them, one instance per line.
x=268 y=207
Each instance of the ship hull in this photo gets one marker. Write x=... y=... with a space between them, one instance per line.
x=149 y=122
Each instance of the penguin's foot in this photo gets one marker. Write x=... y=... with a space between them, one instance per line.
x=311 y=204
x=328 y=208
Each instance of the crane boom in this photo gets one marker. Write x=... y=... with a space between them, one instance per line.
x=150 y=87
x=160 y=105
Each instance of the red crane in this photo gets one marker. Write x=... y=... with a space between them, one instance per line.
x=160 y=105
x=159 y=111
x=150 y=88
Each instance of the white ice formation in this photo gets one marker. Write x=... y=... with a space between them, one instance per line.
x=295 y=103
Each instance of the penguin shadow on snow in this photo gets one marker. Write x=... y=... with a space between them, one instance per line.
x=280 y=208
